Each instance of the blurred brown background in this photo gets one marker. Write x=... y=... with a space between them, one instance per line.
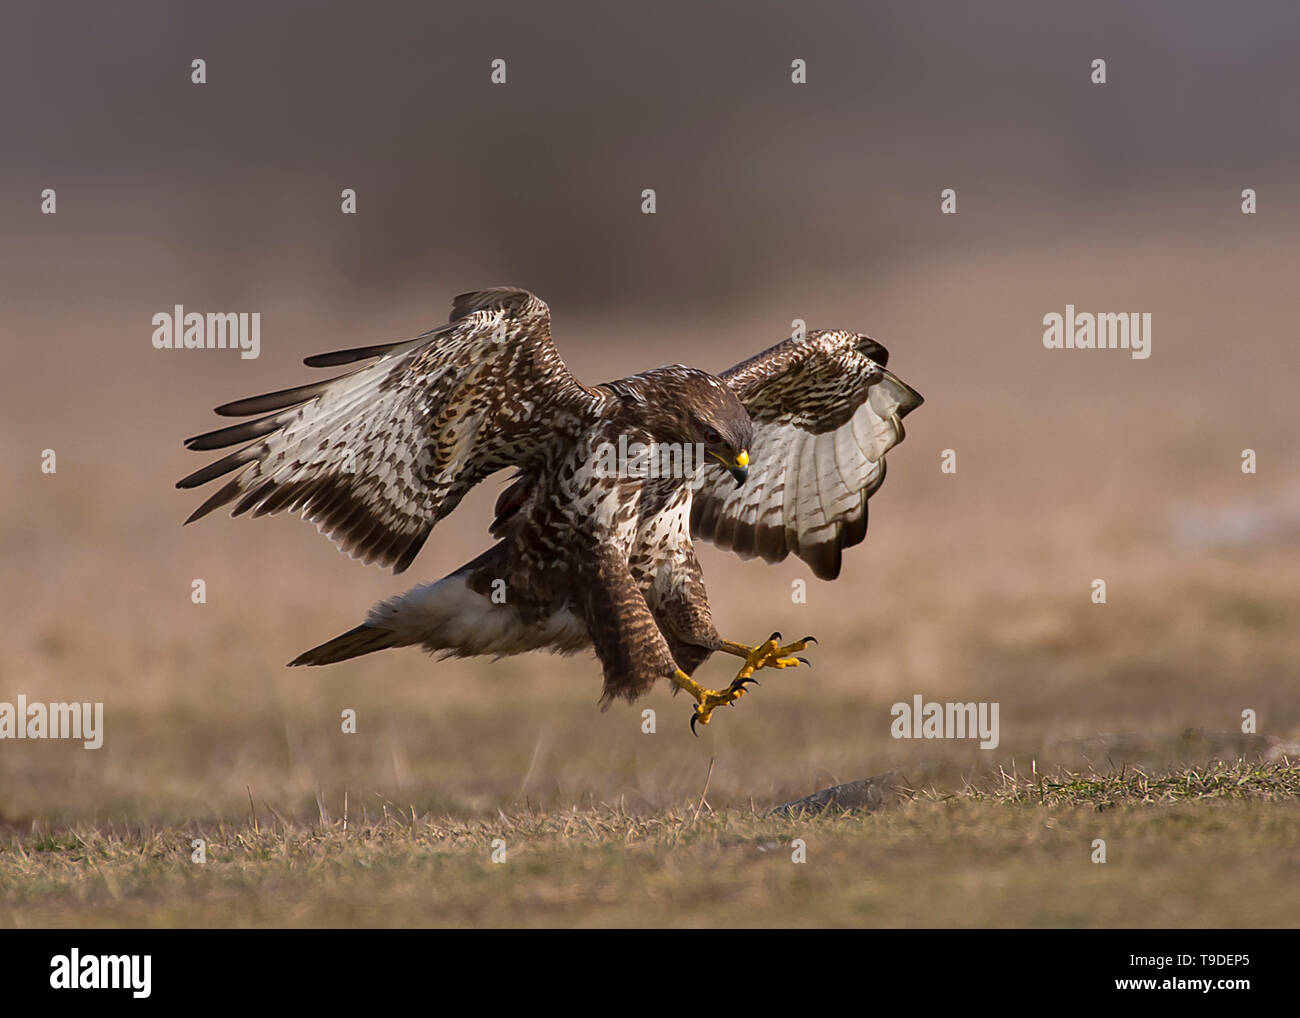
x=775 y=202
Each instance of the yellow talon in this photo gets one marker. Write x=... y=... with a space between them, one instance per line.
x=770 y=654
x=706 y=700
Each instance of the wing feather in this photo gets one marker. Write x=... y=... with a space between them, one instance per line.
x=377 y=456
x=825 y=412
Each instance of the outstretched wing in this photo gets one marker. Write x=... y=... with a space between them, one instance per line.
x=825 y=412
x=377 y=456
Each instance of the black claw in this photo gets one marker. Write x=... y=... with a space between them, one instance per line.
x=694 y=718
x=804 y=661
x=809 y=639
x=775 y=637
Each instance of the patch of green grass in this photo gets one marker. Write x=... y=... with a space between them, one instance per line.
x=1243 y=780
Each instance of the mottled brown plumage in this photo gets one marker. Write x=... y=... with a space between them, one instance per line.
x=587 y=554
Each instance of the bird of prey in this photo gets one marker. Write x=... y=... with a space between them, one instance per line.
x=594 y=543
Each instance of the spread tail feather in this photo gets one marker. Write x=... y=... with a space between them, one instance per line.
x=363 y=639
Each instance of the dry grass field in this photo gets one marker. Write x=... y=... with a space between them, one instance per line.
x=1005 y=859
x=971 y=586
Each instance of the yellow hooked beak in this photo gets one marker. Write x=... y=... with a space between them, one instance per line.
x=738 y=468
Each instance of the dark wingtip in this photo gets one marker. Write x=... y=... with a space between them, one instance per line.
x=870 y=348
x=323 y=360
x=335 y=358
x=200 y=512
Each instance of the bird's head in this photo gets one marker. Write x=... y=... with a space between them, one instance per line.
x=690 y=407
x=718 y=421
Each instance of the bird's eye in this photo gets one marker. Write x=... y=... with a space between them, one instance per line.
x=711 y=436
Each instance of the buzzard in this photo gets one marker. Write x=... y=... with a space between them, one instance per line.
x=593 y=549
